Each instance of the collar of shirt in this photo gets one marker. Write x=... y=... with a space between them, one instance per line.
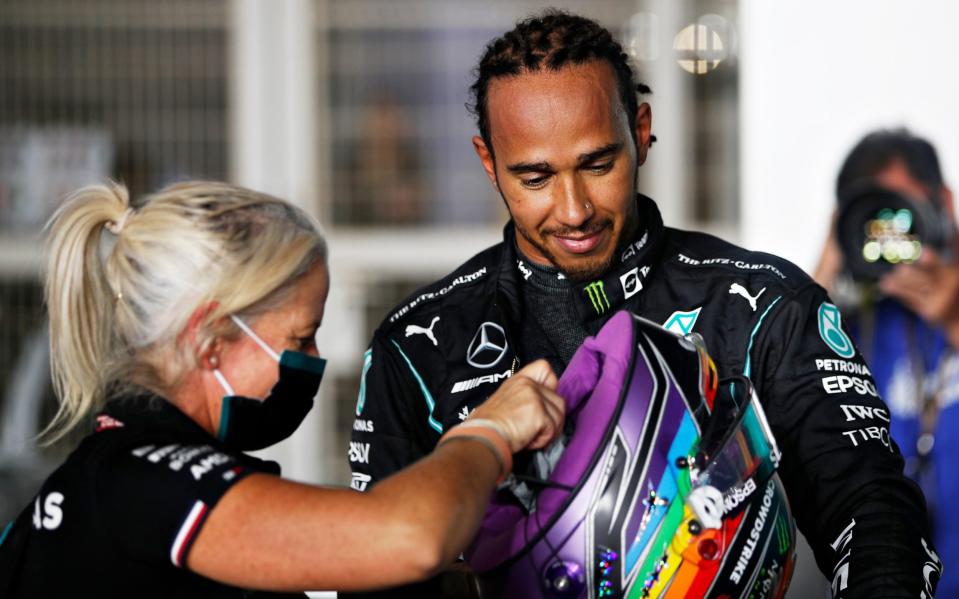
x=148 y=412
x=152 y=414
x=618 y=286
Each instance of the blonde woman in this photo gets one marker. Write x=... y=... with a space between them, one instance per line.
x=185 y=324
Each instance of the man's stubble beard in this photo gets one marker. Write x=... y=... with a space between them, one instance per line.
x=588 y=269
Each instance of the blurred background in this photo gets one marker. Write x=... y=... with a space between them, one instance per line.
x=354 y=109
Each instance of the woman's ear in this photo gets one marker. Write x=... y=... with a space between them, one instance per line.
x=208 y=355
x=206 y=349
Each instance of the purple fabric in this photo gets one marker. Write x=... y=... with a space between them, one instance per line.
x=596 y=372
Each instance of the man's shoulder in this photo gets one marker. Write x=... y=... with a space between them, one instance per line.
x=471 y=280
x=702 y=251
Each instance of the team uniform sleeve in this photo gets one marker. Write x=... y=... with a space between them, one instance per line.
x=843 y=473
x=393 y=416
x=154 y=497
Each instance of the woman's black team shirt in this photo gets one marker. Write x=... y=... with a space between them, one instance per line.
x=119 y=517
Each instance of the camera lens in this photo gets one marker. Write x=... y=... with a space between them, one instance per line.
x=889 y=236
x=878 y=229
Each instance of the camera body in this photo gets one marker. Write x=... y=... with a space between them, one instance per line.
x=878 y=228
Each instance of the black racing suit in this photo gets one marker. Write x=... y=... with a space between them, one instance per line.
x=445 y=349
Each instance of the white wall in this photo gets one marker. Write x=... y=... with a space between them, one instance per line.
x=815 y=76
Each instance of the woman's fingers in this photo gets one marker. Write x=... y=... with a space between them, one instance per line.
x=555 y=410
x=541 y=372
x=527 y=408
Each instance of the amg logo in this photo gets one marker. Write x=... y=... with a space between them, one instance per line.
x=209 y=463
x=480 y=380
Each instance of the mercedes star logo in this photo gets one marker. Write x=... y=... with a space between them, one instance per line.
x=488 y=346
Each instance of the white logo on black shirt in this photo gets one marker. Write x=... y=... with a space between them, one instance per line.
x=413 y=329
x=359 y=452
x=737 y=289
x=48 y=511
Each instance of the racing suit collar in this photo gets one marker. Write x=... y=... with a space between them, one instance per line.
x=621 y=285
x=542 y=276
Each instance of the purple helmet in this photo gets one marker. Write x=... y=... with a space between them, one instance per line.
x=664 y=489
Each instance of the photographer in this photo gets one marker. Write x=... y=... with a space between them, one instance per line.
x=903 y=309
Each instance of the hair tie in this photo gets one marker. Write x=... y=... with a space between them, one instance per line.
x=116 y=226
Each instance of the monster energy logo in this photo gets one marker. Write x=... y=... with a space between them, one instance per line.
x=596 y=292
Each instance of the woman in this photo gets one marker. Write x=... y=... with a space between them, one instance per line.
x=167 y=320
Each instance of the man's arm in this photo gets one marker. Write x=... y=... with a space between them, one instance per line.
x=865 y=521
x=392 y=416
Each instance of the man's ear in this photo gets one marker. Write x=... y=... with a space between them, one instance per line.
x=486 y=157
x=644 y=124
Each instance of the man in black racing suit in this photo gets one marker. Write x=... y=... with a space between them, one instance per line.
x=581 y=245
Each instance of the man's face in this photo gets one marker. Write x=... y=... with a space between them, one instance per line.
x=565 y=164
x=896 y=177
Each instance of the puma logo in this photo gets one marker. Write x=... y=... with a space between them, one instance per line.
x=412 y=329
x=737 y=289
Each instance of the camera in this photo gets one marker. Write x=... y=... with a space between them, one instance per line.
x=878 y=228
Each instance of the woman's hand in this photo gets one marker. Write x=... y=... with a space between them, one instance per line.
x=526 y=408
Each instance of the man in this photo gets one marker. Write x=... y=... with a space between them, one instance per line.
x=561 y=137
x=908 y=330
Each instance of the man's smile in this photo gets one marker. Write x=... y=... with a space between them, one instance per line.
x=582 y=243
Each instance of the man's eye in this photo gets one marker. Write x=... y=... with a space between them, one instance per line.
x=535 y=182
x=601 y=168
x=304 y=343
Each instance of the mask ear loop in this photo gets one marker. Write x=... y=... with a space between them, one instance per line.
x=223 y=382
x=256 y=338
x=246 y=329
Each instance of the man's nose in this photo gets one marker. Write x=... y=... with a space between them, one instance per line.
x=572 y=206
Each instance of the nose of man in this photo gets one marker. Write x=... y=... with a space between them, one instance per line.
x=573 y=209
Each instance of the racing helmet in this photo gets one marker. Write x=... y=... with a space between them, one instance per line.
x=666 y=487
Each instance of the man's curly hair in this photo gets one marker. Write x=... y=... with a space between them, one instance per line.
x=550 y=41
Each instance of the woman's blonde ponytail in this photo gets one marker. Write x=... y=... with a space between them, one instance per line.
x=80 y=300
x=122 y=283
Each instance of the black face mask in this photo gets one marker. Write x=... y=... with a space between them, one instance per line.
x=248 y=424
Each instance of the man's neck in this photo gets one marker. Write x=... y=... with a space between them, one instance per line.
x=545 y=277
